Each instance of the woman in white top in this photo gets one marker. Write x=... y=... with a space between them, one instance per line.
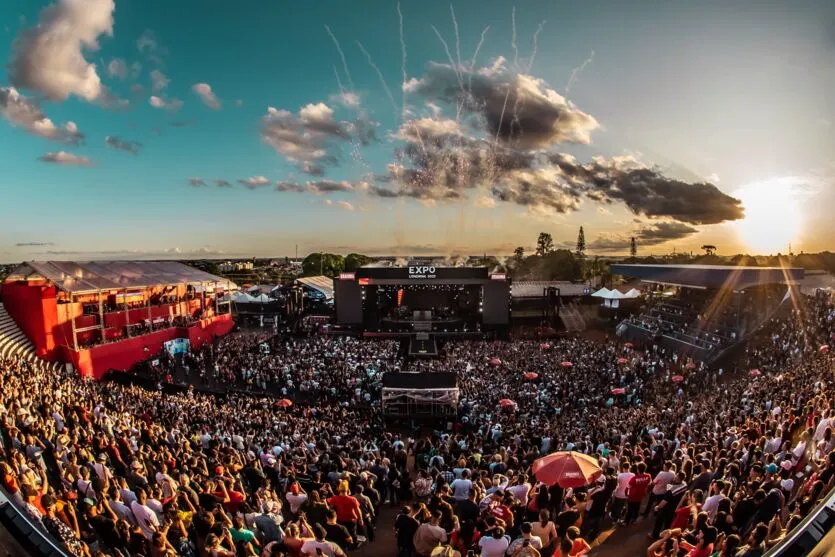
x=545 y=529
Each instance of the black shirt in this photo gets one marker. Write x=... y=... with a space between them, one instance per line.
x=106 y=530
x=339 y=535
x=467 y=511
x=406 y=526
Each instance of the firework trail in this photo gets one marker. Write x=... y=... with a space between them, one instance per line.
x=475 y=54
x=402 y=65
x=382 y=79
x=341 y=55
x=535 y=45
x=457 y=36
x=513 y=38
x=572 y=79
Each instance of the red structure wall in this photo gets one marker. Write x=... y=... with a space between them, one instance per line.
x=34 y=307
x=121 y=356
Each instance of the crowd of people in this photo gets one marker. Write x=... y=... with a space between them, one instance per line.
x=722 y=461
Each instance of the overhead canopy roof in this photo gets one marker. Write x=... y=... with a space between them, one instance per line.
x=535 y=288
x=321 y=283
x=710 y=276
x=79 y=277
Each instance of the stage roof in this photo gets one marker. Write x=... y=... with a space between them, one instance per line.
x=321 y=283
x=535 y=288
x=80 y=277
x=710 y=276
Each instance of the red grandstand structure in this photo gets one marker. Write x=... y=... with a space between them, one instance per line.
x=109 y=315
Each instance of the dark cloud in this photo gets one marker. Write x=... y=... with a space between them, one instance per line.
x=514 y=107
x=650 y=235
x=289 y=187
x=129 y=146
x=24 y=113
x=220 y=183
x=33 y=244
x=196 y=182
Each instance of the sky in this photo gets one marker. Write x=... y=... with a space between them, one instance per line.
x=151 y=129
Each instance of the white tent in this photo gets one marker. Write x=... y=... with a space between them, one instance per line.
x=242 y=298
x=611 y=298
x=632 y=294
x=602 y=293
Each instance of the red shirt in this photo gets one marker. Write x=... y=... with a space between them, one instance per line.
x=682 y=517
x=345 y=505
x=637 y=487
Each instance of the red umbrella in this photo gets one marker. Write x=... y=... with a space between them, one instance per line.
x=619 y=391
x=690 y=365
x=545 y=345
x=531 y=375
x=567 y=469
x=628 y=345
x=284 y=403
x=824 y=349
x=506 y=403
x=677 y=378
x=495 y=362
x=755 y=373
x=566 y=364
x=622 y=361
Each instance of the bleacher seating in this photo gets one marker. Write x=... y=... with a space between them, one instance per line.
x=13 y=341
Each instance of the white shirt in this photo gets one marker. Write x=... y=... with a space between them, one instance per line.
x=330 y=549
x=711 y=505
x=623 y=480
x=492 y=547
x=661 y=481
x=461 y=489
x=296 y=501
x=146 y=519
x=821 y=429
x=521 y=492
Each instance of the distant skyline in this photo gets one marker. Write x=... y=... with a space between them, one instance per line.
x=149 y=129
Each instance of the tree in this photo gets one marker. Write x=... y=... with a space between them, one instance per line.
x=709 y=249
x=544 y=244
x=354 y=261
x=518 y=256
x=328 y=264
x=633 y=247
x=561 y=264
x=581 y=243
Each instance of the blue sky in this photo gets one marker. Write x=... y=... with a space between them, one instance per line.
x=676 y=93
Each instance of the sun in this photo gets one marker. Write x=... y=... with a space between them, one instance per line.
x=772 y=215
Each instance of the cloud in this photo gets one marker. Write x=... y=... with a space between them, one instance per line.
x=289 y=187
x=441 y=161
x=347 y=99
x=204 y=91
x=514 y=107
x=161 y=253
x=168 y=104
x=118 y=68
x=239 y=102
x=64 y=158
x=322 y=187
x=49 y=58
x=159 y=81
x=196 y=182
x=33 y=244
x=115 y=142
x=310 y=139
x=650 y=235
x=254 y=182
x=21 y=112
x=346 y=205
x=220 y=183
x=147 y=42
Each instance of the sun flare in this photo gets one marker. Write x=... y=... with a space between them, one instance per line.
x=772 y=215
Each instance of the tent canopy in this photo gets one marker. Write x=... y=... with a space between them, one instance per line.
x=84 y=277
x=321 y=283
x=602 y=293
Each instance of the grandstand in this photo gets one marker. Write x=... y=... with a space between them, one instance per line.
x=704 y=309
x=106 y=315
